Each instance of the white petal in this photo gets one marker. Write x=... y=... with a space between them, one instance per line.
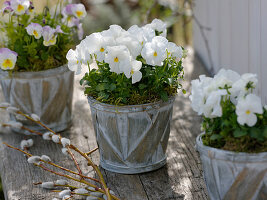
x=136 y=77
x=252 y=120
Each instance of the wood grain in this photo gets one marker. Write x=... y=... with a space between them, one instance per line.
x=180 y=179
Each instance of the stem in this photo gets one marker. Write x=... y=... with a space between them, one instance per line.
x=76 y=163
x=92 y=151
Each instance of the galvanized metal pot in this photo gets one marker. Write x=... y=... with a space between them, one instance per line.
x=233 y=176
x=132 y=139
x=46 y=93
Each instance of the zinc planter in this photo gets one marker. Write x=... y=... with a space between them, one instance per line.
x=46 y=93
x=132 y=139
x=233 y=176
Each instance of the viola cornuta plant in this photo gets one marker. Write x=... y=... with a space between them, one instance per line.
x=233 y=117
x=89 y=187
x=35 y=42
x=133 y=67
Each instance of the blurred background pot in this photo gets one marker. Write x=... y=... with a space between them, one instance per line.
x=132 y=139
x=46 y=93
x=233 y=176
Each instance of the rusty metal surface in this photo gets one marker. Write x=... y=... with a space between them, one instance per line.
x=46 y=93
x=132 y=139
x=233 y=176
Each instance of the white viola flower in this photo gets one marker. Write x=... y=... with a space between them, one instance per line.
x=97 y=44
x=55 y=138
x=34 y=159
x=81 y=191
x=35 y=117
x=131 y=43
x=142 y=34
x=134 y=72
x=45 y=158
x=74 y=62
x=174 y=51
x=20 y=6
x=118 y=58
x=61 y=182
x=243 y=86
x=83 y=53
x=154 y=52
x=48 y=136
x=8 y=59
x=212 y=107
x=64 y=193
x=78 y=10
x=65 y=142
x=48 y=185
x=225 y=78
x=158 y=26
x=114 y=31
x=247 y=108
x=49 y=35
x=35 y=29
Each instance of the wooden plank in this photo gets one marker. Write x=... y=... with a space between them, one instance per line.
x=239 y=29
x=224 y=46
x=255 y=40
x=263 y=73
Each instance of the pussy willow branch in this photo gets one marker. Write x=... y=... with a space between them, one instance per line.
x=75 y=161
x=102 y=181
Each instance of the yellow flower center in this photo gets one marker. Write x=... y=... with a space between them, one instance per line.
x=102 y=49
x=79 y=13
x=20 y=7
x=77 y=61
x=248 y=112
x=7 y=64
x=155 y=54
x=132 y=72
x=116 y=59
x=35 y=33
x=142 y=43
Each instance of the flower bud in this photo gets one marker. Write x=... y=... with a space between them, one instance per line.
x=48 y=136
x=45 y=158
x=96 y=194
x=48 y=185
x=61 y=182
x=64 y=151
x=91 y=198
x=81 y=191
x=64 y=193
x=65 y=142
x=14 y=124
x=35 y=117
x=12 y=109
x=4 y=104
x=55 y=138
x=34 y=159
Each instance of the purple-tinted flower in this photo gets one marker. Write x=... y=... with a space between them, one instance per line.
x=6 y=7
x=71 y=21
x=79 y=11
x=58 y=29
x=80 y=31
x=50 y=35
x=35 y=29
x=67 y=10
x=8 y=59
x=20 y=6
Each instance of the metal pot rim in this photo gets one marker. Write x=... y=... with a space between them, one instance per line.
x=34 y=74
x=221 y=154
x=129 y=108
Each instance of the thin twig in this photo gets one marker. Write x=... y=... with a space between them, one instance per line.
x=92 y=151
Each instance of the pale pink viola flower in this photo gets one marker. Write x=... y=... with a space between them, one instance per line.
x=8 y=59
x=35 y=30
x=6 y=7
x=50 y=35
x=20 y=6
x=78 y=10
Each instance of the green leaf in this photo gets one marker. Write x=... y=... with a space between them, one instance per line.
x=216 y=137
x=44 y=56
x=142 y=86
x=100 y=87
x=256 y=133
x=112 y=87
x=164 y=95
x=239 y=133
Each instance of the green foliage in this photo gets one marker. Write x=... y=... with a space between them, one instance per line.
x=32 y=54
x=159 y=82
x=226 y=133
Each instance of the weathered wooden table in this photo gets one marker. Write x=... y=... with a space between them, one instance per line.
x=180 y=179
